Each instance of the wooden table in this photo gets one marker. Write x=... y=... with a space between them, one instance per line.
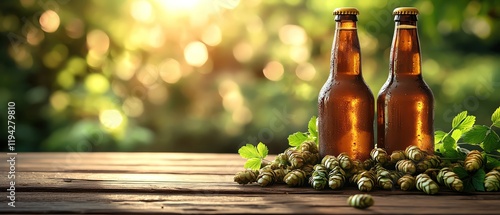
x=149 y=183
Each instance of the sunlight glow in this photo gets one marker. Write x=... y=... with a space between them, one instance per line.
x=196 y=54
x=111 y=118
x=96 y=83
x=170 y=71
x=175 y=5
x=293 y=35
x=49 y=21
x=274 y=71
x=141 y=11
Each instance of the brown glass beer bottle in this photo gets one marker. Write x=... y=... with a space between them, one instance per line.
x=405 y=103
x=345 y=103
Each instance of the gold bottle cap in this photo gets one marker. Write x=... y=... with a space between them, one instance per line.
x=405 y=11
x=346 y=11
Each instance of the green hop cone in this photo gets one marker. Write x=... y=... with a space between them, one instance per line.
x=473 y=161
x=246 y=176
x=360 y=201
x=414 y=153
x=379 y=155
x=492 y=181
x=426 y=184
x=406 y=166
x=295 y=178
x=450 y=179
x=407 y=182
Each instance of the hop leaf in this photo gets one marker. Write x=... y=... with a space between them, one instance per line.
x=492 y=162
x=255 y=155
x=458 y=119
x=478 y=180
x=438 y=136
x=491 y=142
x=248 y=151
x=449 y=143
x=296 y=139
x=462 y=121
x=253 y=163
x=262 y=149
x=456 y=134
x=495 y=118
x=476 y=134
x=461 y=172
x=312 y=127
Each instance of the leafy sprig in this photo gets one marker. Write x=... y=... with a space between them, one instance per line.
x=465 y=135
x=297 y=138
x=255 y=155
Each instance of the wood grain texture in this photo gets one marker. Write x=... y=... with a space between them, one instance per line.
x=169 y=183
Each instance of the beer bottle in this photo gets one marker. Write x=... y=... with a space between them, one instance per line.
x=405 y=103
x=345 y=103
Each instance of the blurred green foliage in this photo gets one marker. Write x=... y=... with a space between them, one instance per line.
x=211 y=75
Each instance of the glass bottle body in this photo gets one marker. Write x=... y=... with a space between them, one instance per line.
x=345 y=103
x=405 y=104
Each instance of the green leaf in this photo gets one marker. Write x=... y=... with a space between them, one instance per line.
x=476 y=134
x=478 y=180
x=249 y=151
x=449 y=143
x=296 y=139
x=467 y=123
x=312 y=128
x=438 y=136
x=451 y=153
x=458 y=119
x=468 y=186
x=495 y=117
x=253 y=163
x=492 y=162
x=461 y=172
x=262 y=149
x=456 y=134
x=491 y=142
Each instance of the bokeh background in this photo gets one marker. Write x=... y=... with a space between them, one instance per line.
x=211 y=75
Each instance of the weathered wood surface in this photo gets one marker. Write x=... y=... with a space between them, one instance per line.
x=164 y=183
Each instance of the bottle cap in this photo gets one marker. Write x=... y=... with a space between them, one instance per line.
x=405 y=11
x=346 y=11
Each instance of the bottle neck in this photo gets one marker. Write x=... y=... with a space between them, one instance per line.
x=346 y=58
x=405 y=50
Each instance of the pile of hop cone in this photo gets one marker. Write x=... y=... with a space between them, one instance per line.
x=410 y=169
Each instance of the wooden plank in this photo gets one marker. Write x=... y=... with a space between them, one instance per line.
x=248 y=204
x=144 y=183
x=169 y=183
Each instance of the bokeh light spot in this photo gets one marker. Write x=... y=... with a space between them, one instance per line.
x=148 y=75
x=305 y=71
x=292 y=35
x=212 y=35
x=242 y=115
x=111 y=118
x=158 y=95
x=274 y=71
x=49 y=21
x=133 y=107
x=59 y=100
x=243 y=52
x=170 y=71
x=96 y=83
x=98 y=41
x=196 y=54
x=141 y=10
